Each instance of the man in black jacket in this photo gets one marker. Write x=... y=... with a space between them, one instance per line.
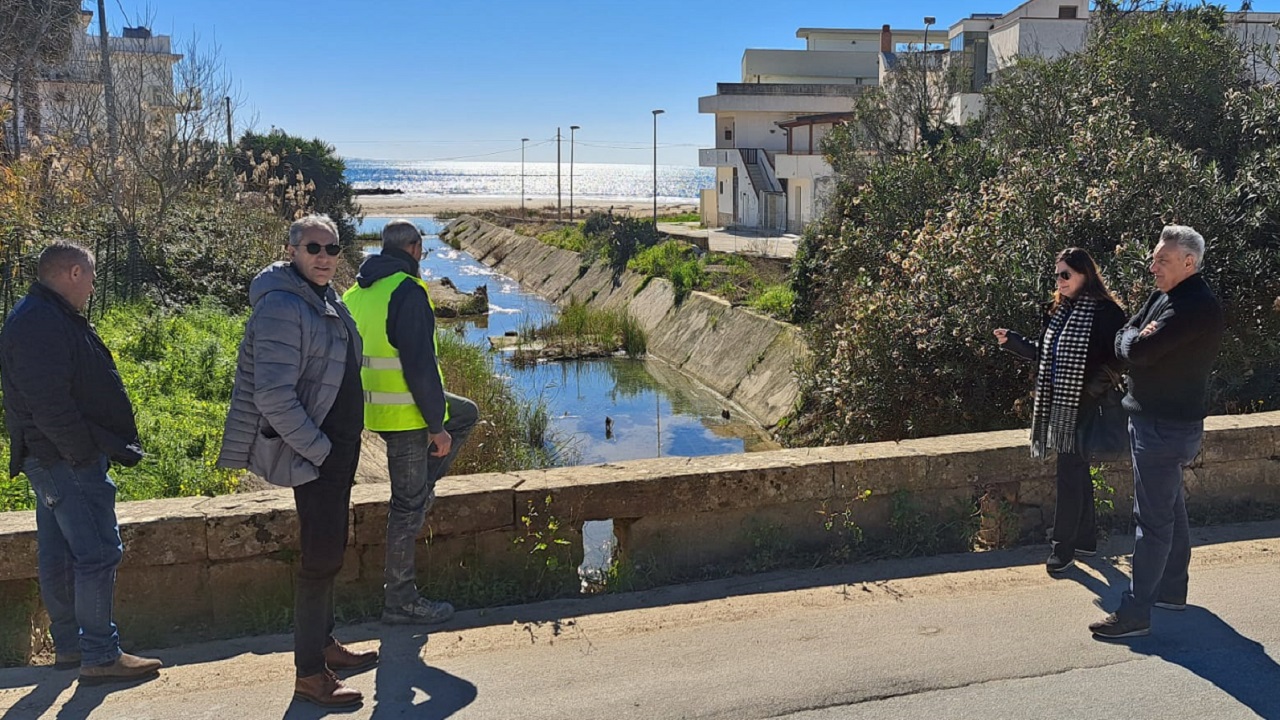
x=1170 y=346
x=68 y=417
x=406 y=403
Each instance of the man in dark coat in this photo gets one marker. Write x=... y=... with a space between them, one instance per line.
x=68 y=418
x=1170 y=346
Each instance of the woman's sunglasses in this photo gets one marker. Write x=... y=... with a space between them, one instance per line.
x=1064 y=275
x=332 y=248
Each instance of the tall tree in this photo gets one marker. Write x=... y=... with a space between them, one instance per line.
x=302 y=176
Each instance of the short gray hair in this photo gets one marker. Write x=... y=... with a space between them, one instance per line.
x=311 y=222
x=1191 y=242
x=399 y=234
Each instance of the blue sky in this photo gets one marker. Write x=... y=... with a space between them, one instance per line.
x=466 y=79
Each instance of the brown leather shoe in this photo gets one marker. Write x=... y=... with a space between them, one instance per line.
x=326 y=690
x=125 y=668
x=340 y=657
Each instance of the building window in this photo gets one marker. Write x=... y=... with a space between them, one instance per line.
x=721 y=187
x=728 y=133
x=1067 y=12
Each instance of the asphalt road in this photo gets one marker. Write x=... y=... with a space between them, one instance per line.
x=985 y=635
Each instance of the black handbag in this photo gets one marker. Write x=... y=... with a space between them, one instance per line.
x=1106 y=429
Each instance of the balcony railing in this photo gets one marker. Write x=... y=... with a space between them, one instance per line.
x=793 y=89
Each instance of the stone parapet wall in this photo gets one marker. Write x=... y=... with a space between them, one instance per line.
x=746 y=357
x=207 y=567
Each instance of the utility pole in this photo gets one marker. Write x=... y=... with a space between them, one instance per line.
x=230 y=143
x=558 y=174
x=108 y=93
x=573 y=129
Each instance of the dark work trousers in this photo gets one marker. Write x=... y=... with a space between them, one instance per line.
x=1075 y=525
x=323 y=511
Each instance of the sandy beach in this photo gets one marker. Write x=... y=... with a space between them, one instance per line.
x=410 y=206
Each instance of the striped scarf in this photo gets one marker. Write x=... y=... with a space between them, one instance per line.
x=1060 y=381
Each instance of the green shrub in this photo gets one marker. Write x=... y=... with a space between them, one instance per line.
x=569 y=237
x=775 y=300
x=580 y=325
x=674 y=260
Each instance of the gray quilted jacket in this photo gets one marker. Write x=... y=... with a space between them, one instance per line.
x=291 y=364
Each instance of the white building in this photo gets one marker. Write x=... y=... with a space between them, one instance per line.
x=984 y=44
x=71 y=93
x=770 y=172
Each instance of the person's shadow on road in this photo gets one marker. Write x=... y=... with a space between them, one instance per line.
x=1199 y=641
x=1205 y=644
x=49 y=686
x=405 y=686
x=408 y=688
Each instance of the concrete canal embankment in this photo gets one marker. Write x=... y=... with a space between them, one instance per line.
x=746 y=357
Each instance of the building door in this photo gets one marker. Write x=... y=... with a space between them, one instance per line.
x=736 y=217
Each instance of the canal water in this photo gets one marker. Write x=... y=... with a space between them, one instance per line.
x=655 y=411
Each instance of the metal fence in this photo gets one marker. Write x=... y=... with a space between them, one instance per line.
x=121 y=266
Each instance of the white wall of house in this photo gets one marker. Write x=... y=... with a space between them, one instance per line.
x=1046 y=9
x=965 y=107
x=865 y=40
x=800 y=167
x=799 y=203
x=758 y=130
x=810 y=66
x=724 y=195
x=1047 y=38
x=791 y=105
x=1253 y=31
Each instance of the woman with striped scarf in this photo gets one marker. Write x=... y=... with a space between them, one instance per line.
x=1077 y=342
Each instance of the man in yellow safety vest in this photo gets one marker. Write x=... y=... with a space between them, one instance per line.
x=405 y=402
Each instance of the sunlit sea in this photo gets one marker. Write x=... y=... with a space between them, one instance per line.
x=597 y=181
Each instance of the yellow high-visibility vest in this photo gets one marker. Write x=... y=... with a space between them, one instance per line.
x=388 y=404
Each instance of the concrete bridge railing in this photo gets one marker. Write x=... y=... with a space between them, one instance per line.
x=210 y=567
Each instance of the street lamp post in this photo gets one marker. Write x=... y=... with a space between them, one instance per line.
x=572 y=129
x=656 y=113
x=924 y=109
x=522 y=142
x=558 y=202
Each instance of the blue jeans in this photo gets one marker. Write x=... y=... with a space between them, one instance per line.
x=414 y=473
x=1162 y=538
x=79 y=549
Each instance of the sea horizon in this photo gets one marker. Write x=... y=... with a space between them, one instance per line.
x=621 y=182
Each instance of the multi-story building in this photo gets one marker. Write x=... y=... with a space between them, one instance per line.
x=985 y=44
x=72 y=94
x=770 y=173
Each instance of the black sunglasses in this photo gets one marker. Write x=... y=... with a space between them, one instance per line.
x=331 y=248
x=1064 y=275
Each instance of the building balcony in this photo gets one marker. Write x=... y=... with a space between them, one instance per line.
x=801 y=166
x=790 y=89
x=717 y=157
x=797 y=98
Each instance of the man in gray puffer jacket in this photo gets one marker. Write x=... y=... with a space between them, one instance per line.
x=296 y=417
